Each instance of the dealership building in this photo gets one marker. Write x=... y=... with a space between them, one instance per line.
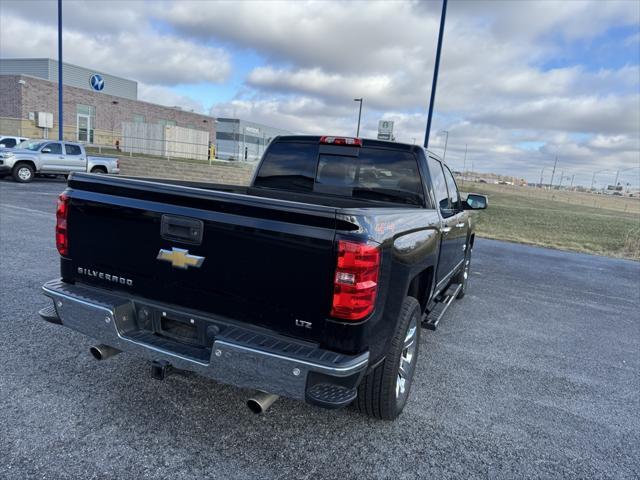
x=243 y=140
x=97 y=106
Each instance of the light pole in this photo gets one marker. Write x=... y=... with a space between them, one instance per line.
x=60 y=133
x=359 y=100
x=446 y=140
x=436 y=67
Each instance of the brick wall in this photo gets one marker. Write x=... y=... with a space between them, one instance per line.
x=41 y=95
x=219 y=172
x=10 y=98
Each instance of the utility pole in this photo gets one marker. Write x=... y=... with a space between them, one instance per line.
x=446 y=141
x=464 y=163
x=593 y=179
x=541 y=173
x=435 y=73
x=561 y=178
x=572 y=177
x=615 y=184
x=359 y=114
x=554 y=172
x=472 y=168
x=59 y=69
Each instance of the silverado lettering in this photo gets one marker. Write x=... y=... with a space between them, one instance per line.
x=105 y=276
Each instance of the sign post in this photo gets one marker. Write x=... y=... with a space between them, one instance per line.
x=385 y=130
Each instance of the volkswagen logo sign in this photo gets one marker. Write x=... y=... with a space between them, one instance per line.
x=97 y=82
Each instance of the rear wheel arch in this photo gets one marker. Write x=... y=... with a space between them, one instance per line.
x=99 y=169
x=420 y=287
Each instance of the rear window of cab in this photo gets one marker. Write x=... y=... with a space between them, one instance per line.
x=367 y=173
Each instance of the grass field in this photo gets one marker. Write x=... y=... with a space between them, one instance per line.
x=565 y=220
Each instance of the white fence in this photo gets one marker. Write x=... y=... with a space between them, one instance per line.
x=164 y=141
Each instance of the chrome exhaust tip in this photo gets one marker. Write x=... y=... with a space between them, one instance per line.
x=261 y=401
x=102 y=352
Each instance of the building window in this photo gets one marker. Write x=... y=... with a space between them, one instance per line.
x=139 y=118
x=85 y=122
x=167 y=123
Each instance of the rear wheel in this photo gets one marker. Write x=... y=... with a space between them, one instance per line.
x=384 y=392
x=99 y=170
x=23 y=173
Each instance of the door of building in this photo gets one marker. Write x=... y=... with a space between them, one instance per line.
x=84 y=128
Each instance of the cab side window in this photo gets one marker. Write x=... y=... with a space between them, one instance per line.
x=72 y=149
x=439 y=186
x=454 y=195
x=56 y=148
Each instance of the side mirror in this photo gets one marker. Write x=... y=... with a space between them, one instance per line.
x=46 y=150
x=475 y=201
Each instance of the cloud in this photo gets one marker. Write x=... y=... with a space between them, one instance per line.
x=517 y=82
x=141 y=54
x=347 y=36
x=588 y=114
x=165 y=96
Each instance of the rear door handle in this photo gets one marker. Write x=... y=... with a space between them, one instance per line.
x=460 y=225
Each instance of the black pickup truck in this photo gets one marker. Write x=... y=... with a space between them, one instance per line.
x=312 y=283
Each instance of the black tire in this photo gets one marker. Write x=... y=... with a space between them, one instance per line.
x=463 y=275
x=99 y=170
x=23 y=173
x=378 y=394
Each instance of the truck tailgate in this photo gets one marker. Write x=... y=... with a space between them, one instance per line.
x=266 y=262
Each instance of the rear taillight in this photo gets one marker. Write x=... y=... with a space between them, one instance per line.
x=62 y=235
x=356 y=280
x=349 y=141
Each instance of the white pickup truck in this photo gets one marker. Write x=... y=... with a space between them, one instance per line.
x=34 y=157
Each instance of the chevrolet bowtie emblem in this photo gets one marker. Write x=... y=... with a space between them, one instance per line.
x=180 y=258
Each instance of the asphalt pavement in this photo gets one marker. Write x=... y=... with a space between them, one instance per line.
x=535 y=373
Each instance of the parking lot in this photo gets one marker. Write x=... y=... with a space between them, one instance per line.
x=535 y=373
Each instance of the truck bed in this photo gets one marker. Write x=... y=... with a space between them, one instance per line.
x=268 y=262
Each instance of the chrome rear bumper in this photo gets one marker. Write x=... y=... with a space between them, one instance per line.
x=234 y=355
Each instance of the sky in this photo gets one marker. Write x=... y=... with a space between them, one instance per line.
x=520 y=82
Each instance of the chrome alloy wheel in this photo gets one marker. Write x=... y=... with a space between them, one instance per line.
x=407 y=358
x=24 y=173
